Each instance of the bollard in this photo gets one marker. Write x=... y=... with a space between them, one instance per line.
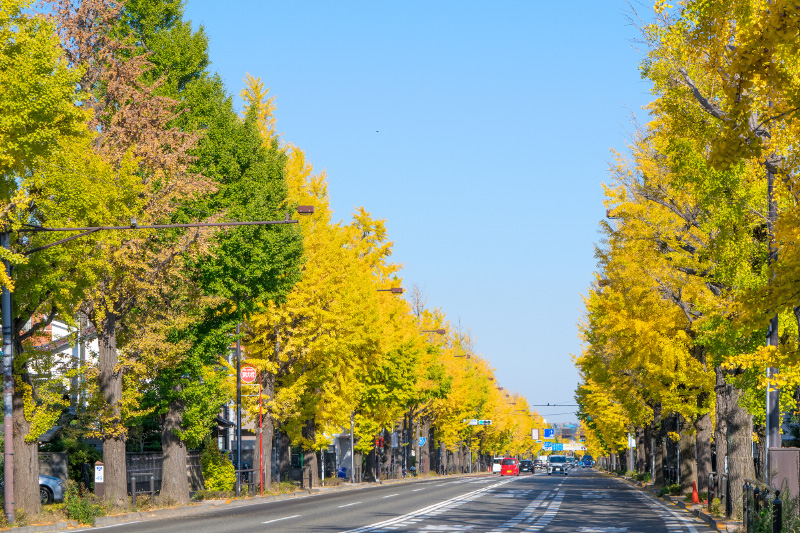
x=745 y=509
x=133 y=490
x=152 y=487
x=711 y=490
x=777 y=513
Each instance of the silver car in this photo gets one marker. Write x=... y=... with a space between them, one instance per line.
x=51 y=489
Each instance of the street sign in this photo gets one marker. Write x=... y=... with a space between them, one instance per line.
x=539 y=441
x=631 y=441
x=547 y=446
x=248 y=374
x=484 y=422
x=422 y=441
x=535 y=434
x=395 y=440
x=558 y=447
x=98 y=474
x=549 y=433
x=473 y=422
x=575 y=447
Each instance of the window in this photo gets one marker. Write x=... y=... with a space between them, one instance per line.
x=509 y=461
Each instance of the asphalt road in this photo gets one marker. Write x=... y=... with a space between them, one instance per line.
x=582 y=502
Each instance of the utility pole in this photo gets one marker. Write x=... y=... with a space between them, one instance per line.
x=8 y=390
x=352 y=454
x=238 y=411
x=773 y=429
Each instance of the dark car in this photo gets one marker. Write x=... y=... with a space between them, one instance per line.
x=526 y=466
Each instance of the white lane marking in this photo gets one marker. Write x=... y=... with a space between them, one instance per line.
x=434 y=509
x=279 y=519
x=417 y=490
x=349 y=504
x=106 y=527
x=391 y=495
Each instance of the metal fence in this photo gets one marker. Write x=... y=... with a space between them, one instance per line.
x=761 y=503
x=141 y=465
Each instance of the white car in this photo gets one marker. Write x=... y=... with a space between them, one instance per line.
x=497 y=464
x=557 y=464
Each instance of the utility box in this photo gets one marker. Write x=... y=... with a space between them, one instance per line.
x=784 y=469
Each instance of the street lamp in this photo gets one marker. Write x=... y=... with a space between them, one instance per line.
x=6 y=309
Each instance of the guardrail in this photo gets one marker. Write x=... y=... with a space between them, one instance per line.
x=757 y=502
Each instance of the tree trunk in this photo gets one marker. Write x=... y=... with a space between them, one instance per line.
x=740 y=454
x=388 y=451
x=267 y=430
x=688 y=463
x=284 y=456
x=424 y=465
x=174 y=480
x=369 y=467
x=310 y=455
x=703 y=435
x=26 y=457
x=116 y=488
x=721 y=390
x=658 y=451
x=641 y=455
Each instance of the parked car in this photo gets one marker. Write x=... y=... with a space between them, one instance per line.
x=526 y=465
x=509 y=467
x=496 y=465
x=557 y=464
x=51 y=489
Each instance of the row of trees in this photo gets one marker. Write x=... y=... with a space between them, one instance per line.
x=697 y=288
x=109 y=116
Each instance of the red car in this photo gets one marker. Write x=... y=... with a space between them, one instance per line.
x=509 y=467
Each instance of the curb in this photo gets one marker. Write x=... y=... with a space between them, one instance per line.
x=210 y=505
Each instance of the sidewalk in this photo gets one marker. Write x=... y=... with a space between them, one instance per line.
x=698 y=510
x=206 y=505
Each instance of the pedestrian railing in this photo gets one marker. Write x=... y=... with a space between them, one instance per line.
x=247 y=478
x=761 y=503
x=151 y=485
x=719 y=487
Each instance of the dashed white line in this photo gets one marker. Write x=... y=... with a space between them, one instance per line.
x=279 y=519
x=391 y=495
x=417 y=490
x=349 y=504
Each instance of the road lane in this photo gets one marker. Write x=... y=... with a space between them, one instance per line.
x=583 y=502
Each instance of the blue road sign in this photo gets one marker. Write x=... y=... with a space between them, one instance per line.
x=548 y=446
x=558 y=447
x=549 y=433
x=422 y=441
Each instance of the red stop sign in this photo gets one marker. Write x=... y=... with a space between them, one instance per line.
x=248 y=374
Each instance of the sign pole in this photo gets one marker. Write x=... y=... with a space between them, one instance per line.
x=260 y=436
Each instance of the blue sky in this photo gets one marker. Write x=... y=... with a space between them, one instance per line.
x=480 y=131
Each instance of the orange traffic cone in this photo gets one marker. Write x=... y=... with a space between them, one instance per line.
x=695 y=496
